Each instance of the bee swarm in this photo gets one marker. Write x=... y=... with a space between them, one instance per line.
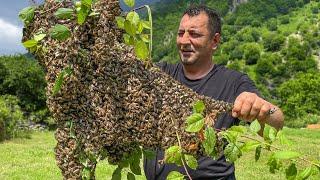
x=111 y=103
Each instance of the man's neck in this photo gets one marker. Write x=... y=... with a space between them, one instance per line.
x=194 y=72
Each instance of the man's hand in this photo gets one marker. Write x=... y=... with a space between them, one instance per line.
x=248 y=106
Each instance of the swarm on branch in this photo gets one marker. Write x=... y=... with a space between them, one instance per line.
x=111 y=103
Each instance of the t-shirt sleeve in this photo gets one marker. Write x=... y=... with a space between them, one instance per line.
x=245 y=84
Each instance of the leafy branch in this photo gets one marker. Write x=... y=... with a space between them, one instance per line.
x=134 y=31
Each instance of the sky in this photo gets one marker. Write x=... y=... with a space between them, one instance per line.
x=11 y=26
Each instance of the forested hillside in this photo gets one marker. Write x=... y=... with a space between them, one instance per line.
x=275 y=42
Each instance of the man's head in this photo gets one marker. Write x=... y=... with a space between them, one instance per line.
x=198 y=34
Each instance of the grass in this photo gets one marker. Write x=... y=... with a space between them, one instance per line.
x=34 y=158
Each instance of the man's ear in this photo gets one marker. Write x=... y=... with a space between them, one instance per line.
x=215 y=41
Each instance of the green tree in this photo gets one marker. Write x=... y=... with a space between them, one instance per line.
x=300 y=96
x=273 y=41
x=251 y=53
x=24 y=79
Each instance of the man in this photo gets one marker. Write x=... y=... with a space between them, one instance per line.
x=197 y=39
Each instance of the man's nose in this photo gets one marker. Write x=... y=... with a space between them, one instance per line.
x=185 y=38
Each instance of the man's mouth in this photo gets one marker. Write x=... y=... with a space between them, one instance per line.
x=186 y=52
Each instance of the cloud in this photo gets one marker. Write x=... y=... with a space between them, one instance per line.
x=10 y=38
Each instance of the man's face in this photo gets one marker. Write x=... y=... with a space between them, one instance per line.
x=194 y=42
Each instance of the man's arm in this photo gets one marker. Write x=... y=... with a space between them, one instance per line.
x=248 y=106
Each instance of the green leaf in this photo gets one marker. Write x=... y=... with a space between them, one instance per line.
x=209 y=142
x=129 y=28
x=232 y=152
x=191 y=161
x=250 y=145
x=148 y=154
x=198 y=107
x=133 y=17
x=59 y=81
x=139 y=28
x=129 y=40
x=60 y=32
x=173 y=155
x=141 y=50
x=39 y=37
x=174 y=175
x=135 y=162
x=145 y=38
x=135 y=167
x=195 y=122
x=286 y=155
x=282 y=138
x=291 y=172
x=85 y=173
x=304 y=174
x=26 y=15
x=30 y=43
x=129 y=3
x=130 y=176
x=255 y=126
x=230 y=136
x=274 y=164
x=257 y=153
x=238 y=129
x=116 y=175
x=64 y=13
x=120 y=22
x=146 y=24
x=82 y=14
x=86 y=3
x=269 y=133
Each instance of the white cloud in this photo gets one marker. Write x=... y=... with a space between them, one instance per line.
x=10 y=38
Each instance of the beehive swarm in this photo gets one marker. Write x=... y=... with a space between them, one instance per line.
x=111 y=103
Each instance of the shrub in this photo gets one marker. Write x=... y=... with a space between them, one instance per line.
x=11 y=118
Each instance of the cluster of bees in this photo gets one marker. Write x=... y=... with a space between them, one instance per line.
x=112 y=103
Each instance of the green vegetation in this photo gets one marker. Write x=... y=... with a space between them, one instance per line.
x=271 y=41
x=34 y=158
x=10 y=118
x=22 y=95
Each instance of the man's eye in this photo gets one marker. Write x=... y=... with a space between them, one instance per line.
x=194 y=35
x=180 y=33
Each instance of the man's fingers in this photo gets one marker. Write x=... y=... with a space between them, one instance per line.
x=246 y=109
x=264 y=111
x=237 y=107
x=255 y=110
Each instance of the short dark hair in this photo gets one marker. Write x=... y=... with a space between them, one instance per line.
x=214 y=21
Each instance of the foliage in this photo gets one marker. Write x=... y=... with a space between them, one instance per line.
x=273 y=41
x=251 y=53
x=24 y=78
x=11 y=117
x=300 y=96
x=134 y=28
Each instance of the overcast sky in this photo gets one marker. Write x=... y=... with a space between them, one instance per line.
x=11 y=26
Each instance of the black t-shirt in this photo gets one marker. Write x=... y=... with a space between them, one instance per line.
x=220 y=84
